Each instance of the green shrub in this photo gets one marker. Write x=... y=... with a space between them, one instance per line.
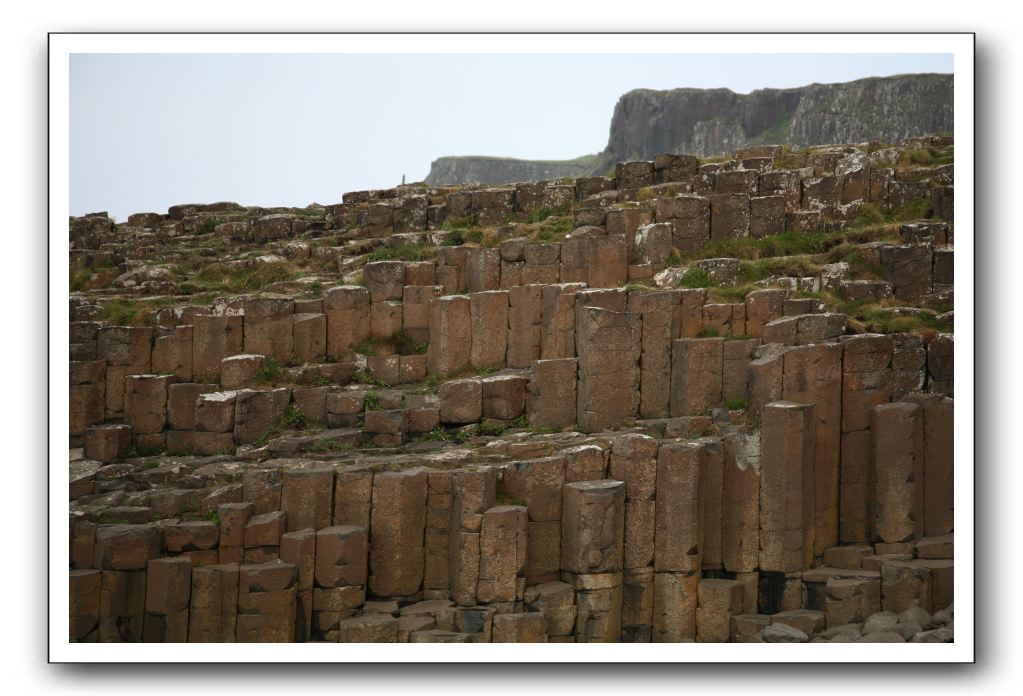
x=696 y=278
x=371 y=401
x=271 y=371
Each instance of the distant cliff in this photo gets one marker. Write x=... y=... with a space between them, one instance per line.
x=504 y=170
x=714 y=121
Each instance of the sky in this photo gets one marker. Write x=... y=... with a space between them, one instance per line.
x=153 y=130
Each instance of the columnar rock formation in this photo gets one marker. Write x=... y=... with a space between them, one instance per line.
x=691 y=402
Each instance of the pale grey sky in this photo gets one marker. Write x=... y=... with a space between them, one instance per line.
x=152 y=130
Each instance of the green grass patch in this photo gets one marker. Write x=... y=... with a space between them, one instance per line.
x=135 y=451
x=271 y=371
x=148 y=464
x=216 y=277
x=914 y=210
x=370 y=401
x=707 y=332
x=438 y=434
x=551 y=229
x=696 y=278
x=736 y=404
x=455 y=224
x=291 y=419
x=881 y=320
x=82 y=277
x=208 y=225
x=538 y=215
x=404 y=252
x=731 y=294
x=924 y=157
x=119 y=312
x=211 y=516
x=367 y=377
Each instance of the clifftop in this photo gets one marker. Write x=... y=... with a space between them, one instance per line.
x=709 y=122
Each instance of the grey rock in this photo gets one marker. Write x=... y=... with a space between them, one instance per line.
x=916 y=614
x=880 y=623
x=783 y=633
x=938 y=635
x=882 y=637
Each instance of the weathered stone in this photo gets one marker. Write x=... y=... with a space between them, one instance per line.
x=696 y=375
x=126 y=547
x=599 y=602
x=488 y=313
x=461 y=401
x=679 y=515
x=397 y=528
x=608 y=263
x=552 y=393
x=520 y=628
x=556 y=602
x=675 y=604
x=609 y=345
x=309 y=333
x=634 y=461
x=384 y=280
x=593 y=525
x=256 y=412
x=729 y=215
x=851 y=600
x=813 y=374
x=348 y=319
x=107 y=442
x=341 y=556
x=213 y=609
x=266 y=603
x=718 y=601
x=122 y=606
x=483 y=270
x=213 y=339
x=786 y=487
x=502 y=554
x=584 y=463
x=740 y=502
x=84 y=605
x=375 y=628
x=265 y=530
x=524 y=325
x=168 y=588
x=385 y=318
x=145 y=402
x=763 y=306
x=450 y=335
x=558 y=326
x=415 y=316
x=905 y=583
x=897 y=460
x=504 y=396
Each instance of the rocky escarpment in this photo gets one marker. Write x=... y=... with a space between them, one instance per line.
x=709 y=122
x=505 y=170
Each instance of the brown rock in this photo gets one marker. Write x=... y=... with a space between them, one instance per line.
x=593 y=525
x=398 y=523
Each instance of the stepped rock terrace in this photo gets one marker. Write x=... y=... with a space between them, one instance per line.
x=696 y=401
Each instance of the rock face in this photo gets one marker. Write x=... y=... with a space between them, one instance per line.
x=504 y=170
x=711 y=121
